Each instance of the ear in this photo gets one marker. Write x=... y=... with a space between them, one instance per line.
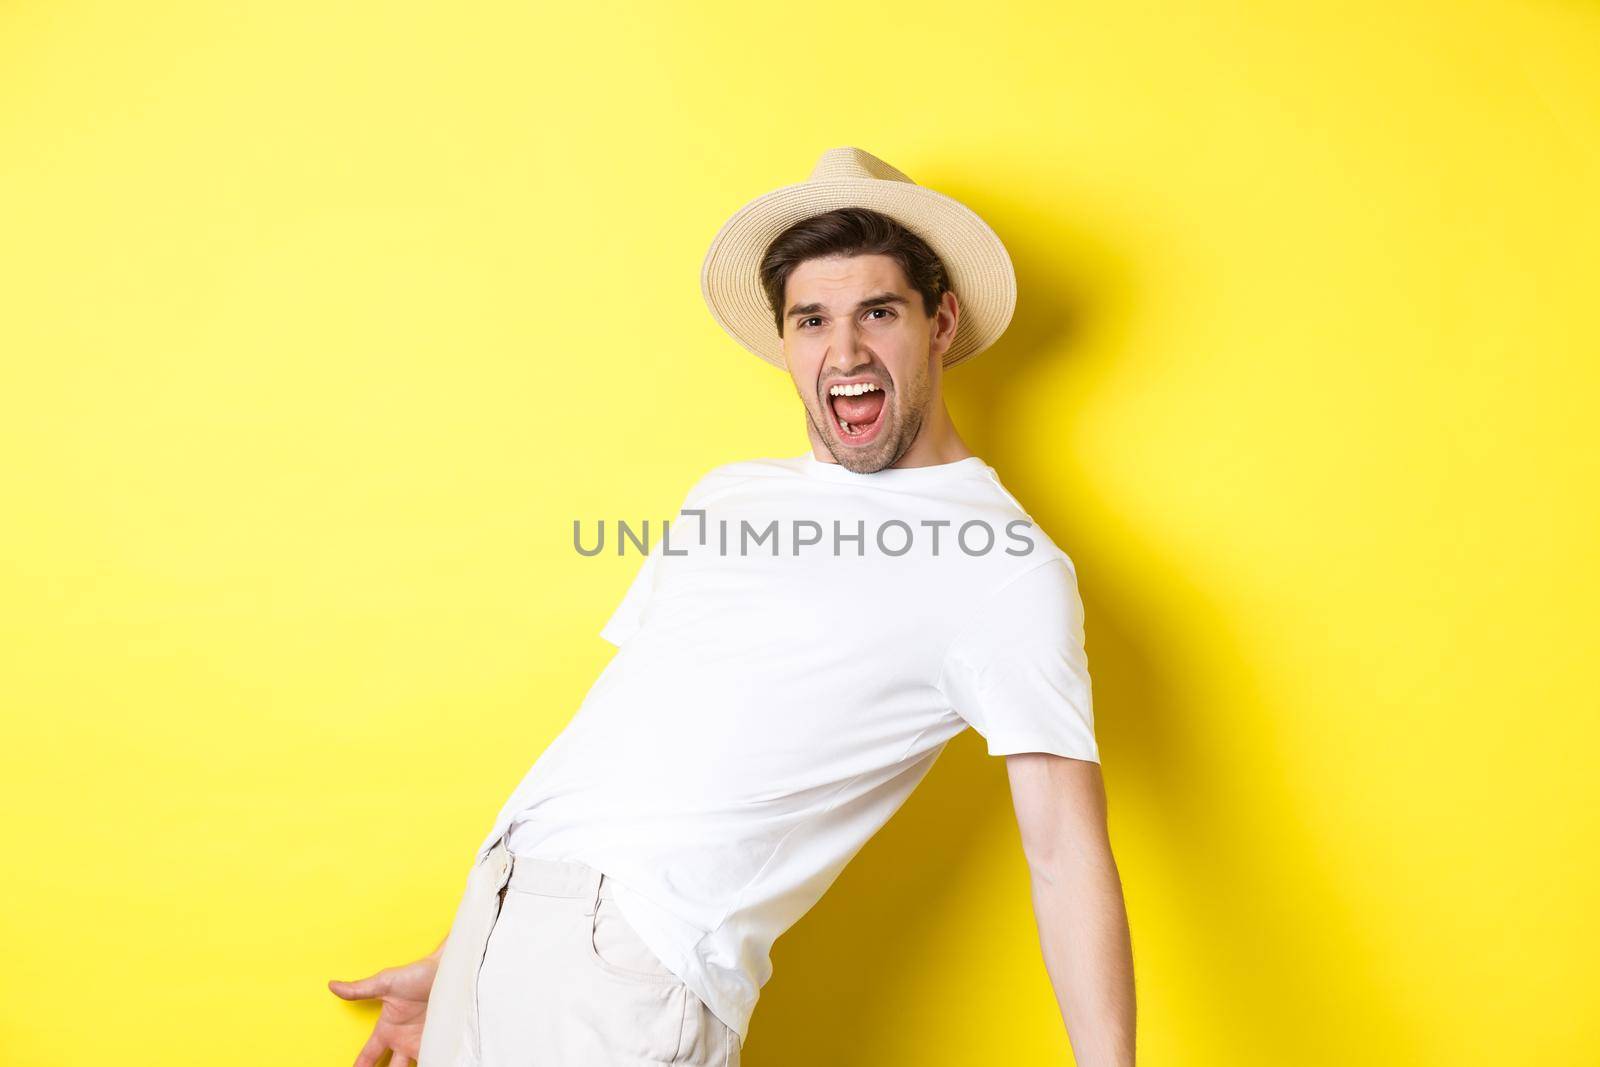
x=945 y=320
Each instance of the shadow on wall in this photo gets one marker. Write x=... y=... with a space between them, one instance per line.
x=1252 y=897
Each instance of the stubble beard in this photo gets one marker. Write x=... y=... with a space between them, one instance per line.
x=894 y=440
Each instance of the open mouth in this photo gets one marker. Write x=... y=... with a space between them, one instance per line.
x=858 y=410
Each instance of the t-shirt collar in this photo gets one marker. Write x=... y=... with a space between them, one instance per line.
x=813 y=467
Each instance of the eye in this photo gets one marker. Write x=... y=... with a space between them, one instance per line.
x=886 y=311
x=811 y=318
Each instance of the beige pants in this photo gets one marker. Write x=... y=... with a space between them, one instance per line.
x=541 y=970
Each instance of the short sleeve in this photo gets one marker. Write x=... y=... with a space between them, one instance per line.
x=625 y=619
x=1017 y=670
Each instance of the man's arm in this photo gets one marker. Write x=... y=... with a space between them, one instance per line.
x=1077 y=902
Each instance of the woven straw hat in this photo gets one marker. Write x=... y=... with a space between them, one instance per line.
x=978 y=265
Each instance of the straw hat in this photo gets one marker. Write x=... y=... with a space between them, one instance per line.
x=978 y=266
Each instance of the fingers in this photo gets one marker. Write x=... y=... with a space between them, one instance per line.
x=362 y=989
x=399 y=1059
x=370 y=1052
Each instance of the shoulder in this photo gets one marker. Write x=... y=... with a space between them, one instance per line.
x=729 y=477
x=1025 y=576
x=1027 y=546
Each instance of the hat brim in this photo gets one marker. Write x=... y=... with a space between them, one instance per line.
x=978 y=264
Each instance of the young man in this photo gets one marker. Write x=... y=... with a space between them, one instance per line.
x=792 y=658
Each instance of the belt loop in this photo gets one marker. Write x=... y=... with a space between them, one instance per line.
x=593 y=904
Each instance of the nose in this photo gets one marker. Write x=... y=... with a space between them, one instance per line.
x=847 y=354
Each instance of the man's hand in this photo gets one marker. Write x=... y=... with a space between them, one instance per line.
x=404 y=992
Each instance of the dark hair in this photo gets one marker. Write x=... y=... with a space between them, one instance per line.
x=851 y=231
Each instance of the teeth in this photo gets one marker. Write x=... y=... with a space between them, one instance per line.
x=852 y=390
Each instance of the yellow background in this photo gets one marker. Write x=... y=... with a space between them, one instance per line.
x=321 y=323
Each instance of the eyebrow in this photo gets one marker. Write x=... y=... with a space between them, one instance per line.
x=875 y=300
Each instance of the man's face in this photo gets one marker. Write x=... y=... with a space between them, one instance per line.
x=864 y=357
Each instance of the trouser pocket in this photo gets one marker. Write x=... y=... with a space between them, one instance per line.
x=617 y=948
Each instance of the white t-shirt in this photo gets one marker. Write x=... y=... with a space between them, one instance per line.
x=791 y=662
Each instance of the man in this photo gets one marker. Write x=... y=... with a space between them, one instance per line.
x=794 y=654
